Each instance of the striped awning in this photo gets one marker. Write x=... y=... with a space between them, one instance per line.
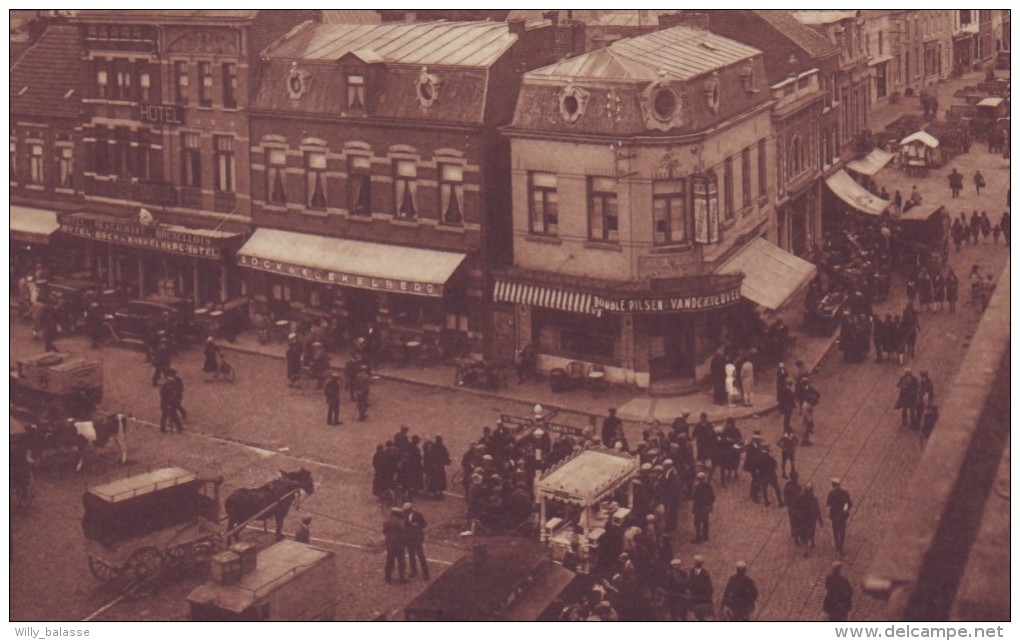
x=543 y=296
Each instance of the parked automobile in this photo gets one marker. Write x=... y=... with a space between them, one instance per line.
x=142 y=320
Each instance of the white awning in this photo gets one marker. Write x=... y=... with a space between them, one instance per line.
x=587 y=477
x=872 y=163
x=542 y=296
x=922 y=137
x=350 y=263
x=771 y=275
x=854 y=195
x=32 y=225
x=991 y=101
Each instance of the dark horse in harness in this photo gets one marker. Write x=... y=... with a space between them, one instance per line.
x=80 y=437
x=245 y=504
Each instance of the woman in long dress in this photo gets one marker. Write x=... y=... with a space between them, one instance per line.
x=732 y=393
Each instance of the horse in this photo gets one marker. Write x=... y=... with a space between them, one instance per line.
x=245 y=504
x=81 y=437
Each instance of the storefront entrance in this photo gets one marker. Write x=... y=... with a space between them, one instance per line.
x=670 y=347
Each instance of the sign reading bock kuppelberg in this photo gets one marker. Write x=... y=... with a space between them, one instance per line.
x=331 y=277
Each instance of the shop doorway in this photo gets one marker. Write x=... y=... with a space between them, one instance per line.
x=670 y=348
x=504 y=334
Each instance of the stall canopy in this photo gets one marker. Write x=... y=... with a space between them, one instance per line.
x=588 y=477
x=870 y=164
x=771 y=275
x=922 y=137
x=991 y=101
x=350 y=263
x=847 y=190
x=31 y=225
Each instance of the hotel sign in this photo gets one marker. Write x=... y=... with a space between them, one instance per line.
x=329 y=277
x=161 y=114
x=172 y=241
x=665 y=303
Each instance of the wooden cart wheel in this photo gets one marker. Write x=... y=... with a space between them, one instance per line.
x=141 y=570
x=102 y=570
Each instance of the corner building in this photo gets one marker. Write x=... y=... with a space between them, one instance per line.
x=642 y=189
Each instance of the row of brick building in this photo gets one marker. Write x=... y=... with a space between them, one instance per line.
x=622 y=203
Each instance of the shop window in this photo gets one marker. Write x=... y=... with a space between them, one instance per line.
x=544 y=203
x=356 y=93
x=224 y=146
x=276 y=171
x=65 y=167
x=35 y=164
x=728 y=188
x=404 y=188
x=669 y=212
x=145 y=86
x=359 y=179
x=122 y=76
x=315 y=180
x=229 y=85
x=181 y=82
x=102 y=84
x=603 y=217
x=415 y=311
x=191 y=159
x=745 y=176
x=577 y=336
x=206 y=85
x=451 y=194
x=281 y=292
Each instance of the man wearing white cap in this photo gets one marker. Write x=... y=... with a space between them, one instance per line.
x=839 y=504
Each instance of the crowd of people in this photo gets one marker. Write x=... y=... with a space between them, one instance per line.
x=410 y=465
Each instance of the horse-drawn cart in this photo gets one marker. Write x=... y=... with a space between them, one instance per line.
x=137 y=527
x=56 y=386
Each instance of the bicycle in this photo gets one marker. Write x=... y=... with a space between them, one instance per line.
x=225 y=371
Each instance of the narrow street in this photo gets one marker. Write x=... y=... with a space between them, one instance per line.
x=248 y=430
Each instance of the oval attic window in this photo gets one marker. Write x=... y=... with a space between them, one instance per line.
x=664 y=104
x=571 y=105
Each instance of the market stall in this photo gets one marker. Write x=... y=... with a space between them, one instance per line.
x=582 y=488
x=920 y=152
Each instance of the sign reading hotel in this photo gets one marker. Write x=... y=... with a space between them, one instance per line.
x=665 y=304
x=161 y=114
x=329 y=277
x=174 y=241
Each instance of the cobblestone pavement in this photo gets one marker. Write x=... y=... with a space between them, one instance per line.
x=249 y=430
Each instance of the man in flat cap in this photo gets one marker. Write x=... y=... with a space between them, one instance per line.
x=701 y=591
x=906 y=401
x=676 y=591
x=704 y=499
x=839 y=594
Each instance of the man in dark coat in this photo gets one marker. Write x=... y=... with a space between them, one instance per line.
x=791 y=492
x=751 y=463
x=786 y=401
x=294 y=351
x=402 y=439
x=906 y=402
x=704 y=499
x=839 y=505
x=718 y=374
x=436 y=458
x=955 y=183
x=700 y=583
x=362 y=382
x=414 y=528
x=395 y=531
x=160 y=361
x=676 y=590
x=767 y=476
x=740 y=595
x=611 y=428
x=168 y=406
x=304 y=533
x=331 y=390
x=703 y=438
x=839 y=594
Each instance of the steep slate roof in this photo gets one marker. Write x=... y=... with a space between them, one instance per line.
x=164 y=15
x=350 y=16
x=461 y=44
x=41 y=78
x=813 y=43
x=682 y=52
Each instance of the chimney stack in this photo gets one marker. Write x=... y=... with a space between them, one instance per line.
x=552 y=16
x=517 y=26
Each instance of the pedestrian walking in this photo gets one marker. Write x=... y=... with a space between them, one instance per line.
x=294 y=350
x=362 y=382
x=168 y=404
x=898 y=201
x=924 y=289
x=807 y=515
x=986 y=226
x=787 y=444
x=701 y=591
x=911 y=327
x=304 y=533
x=956 y=232
x=791 y=491
x=612 y=426
x=676 y=591
x=979 y=181
x=952 y=289
x=975 y=227
x=414 y=528
x=996 y=232
x=839 y=505
x=160 y=361
x=732 y=393
x=938 y=288
x=906 y=401
x=703 y=438
x=767 y=477
x=704 y=499
x=331 y=390
x=787 y=402
x=976 y=284
x=210 y=359
x=955 y=183
x=839 y=594
x=807 y=410
x=395 y=533
x=435 y=459
x=740 y=595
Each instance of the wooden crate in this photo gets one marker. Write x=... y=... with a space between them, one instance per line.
x=58 y=374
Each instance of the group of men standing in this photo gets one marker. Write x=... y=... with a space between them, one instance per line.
x=404 y=531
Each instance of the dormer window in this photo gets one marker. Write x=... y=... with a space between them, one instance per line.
x=356 y=92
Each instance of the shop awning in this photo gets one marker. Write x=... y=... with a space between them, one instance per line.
x=350 y=263
x=991 y=101
x=872 y=163
x=30 y=225
x=847 y=190
x=771 y=275
x=588 y=477
x=922 y=137
x=565 y=300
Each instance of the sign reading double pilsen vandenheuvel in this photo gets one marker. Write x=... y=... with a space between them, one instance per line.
x=174 y=241
x=667 y=303
x=329 y=277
